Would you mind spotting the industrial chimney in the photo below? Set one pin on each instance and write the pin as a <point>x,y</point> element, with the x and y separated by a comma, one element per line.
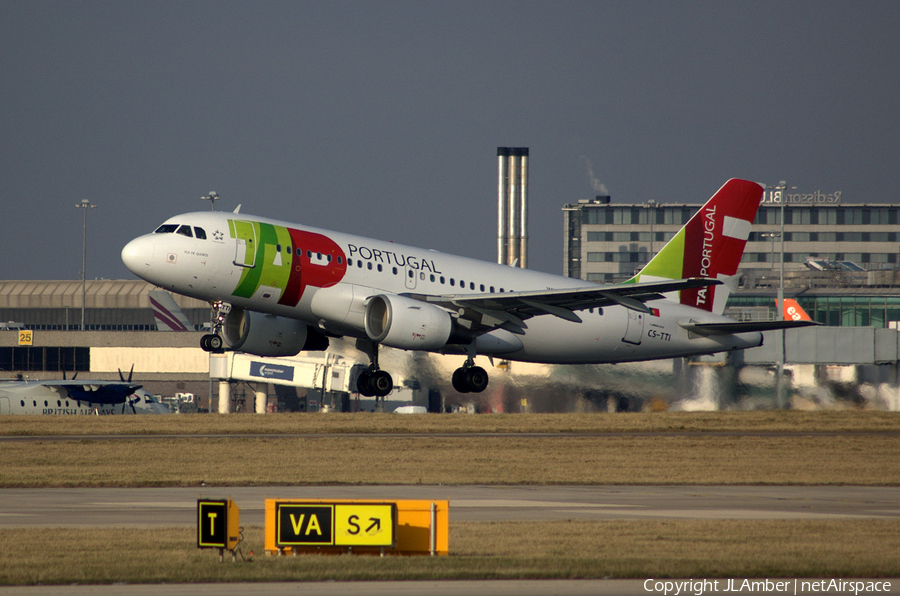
<point>512,206</point>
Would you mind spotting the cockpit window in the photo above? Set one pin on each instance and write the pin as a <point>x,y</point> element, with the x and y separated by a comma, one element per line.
<point>185,231</point>
<point>166,229</point>
<point>200,233</point>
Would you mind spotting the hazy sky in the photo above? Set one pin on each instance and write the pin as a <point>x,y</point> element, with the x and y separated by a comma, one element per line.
<point>383,118</point>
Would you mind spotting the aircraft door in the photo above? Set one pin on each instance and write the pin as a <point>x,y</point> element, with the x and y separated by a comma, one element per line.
<point>411,275</point>
<point>246,237</point>
<point>634,327</point>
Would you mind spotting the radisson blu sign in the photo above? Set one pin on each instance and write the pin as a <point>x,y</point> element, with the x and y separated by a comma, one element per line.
<point>774,196</point>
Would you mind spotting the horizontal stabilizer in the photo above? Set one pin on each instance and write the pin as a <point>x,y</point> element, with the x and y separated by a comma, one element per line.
<point>742,326</point>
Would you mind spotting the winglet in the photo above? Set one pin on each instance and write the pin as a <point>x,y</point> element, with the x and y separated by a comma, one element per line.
<point>709,245</point>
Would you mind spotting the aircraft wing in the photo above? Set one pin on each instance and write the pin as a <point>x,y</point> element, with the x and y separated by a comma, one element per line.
<point>98,392</point>
<point>742,326</point>
<point>509,310</point>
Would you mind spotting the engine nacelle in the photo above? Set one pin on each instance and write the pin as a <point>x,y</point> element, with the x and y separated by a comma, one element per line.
<point>407,323</point>
<point>269,335</point>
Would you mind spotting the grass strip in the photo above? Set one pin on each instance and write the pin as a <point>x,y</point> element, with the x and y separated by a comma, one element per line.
<point>872,460</point>
<point>501,550</point>
<point>286,423</point>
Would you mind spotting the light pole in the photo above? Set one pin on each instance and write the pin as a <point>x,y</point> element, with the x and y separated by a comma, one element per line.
<point>85,205</point>
<point>771,235</point>
<point>781,189</point>
<point>212,197</point>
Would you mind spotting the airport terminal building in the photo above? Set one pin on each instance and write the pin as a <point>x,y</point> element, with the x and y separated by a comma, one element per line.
<point>841,261</point>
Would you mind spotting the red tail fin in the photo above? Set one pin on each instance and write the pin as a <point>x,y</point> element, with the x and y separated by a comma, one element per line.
<point>709,245</point>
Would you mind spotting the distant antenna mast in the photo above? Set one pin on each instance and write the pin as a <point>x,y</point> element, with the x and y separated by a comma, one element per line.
<point>212,197</point>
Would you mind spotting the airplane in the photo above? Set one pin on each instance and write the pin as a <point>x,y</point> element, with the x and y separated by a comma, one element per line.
<point>793,311</point>
<point>168,315</point>
<point>71,397</point>
<point>279,288</point>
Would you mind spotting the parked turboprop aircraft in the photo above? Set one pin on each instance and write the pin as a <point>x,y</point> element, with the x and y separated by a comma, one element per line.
<point>77,397</point>
<point>280,288</point>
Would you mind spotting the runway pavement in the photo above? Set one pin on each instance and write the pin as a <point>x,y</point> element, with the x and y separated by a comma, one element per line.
<point>124,507</point>
<point>148,507</point>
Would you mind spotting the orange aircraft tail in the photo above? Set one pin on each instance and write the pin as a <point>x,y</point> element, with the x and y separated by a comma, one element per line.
<point>793,311</point>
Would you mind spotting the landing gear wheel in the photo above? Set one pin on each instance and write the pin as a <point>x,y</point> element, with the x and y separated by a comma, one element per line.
<point>459,380</point>
<point>211,343</point>
<point>381,383</point>
<point>363,384</point>
<point>470,379</point>
<point>214,343</point>
<point>476,379</point>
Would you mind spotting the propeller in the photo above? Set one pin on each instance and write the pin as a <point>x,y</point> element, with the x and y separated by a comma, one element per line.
<point>122,377</point>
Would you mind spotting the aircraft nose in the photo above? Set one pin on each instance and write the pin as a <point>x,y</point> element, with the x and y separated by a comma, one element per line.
<point>138,254</point>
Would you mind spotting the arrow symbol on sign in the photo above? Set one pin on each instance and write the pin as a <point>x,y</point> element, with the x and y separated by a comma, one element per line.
<point>376,523</point>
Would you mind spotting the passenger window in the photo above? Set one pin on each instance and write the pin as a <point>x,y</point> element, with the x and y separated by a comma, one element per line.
<point>442,280</point>
<point>492,289</point>
<point>394,269</point>
<point>379,268</point>
<point>277,248</point>
<point>340,260</point>
<point>482,287</point>
<point>411,274</point>
<point>184,231</point>
<point>359,263</point>
<point>200,233</point>
<point>23,403</point>
<point>452,282</point>
<point>471,285</point>
<point>299,252</point>
<point>432,277</point>
<point>370,266</point>
<point>166,229</point>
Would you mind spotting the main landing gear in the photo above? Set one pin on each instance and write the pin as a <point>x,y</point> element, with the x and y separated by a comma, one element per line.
<point>470,378</point>
<point>373,382</point>
<point>212,342</point>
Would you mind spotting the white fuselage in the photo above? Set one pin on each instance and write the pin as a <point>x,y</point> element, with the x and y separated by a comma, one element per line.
<point>324,279</point>
<point>50,398</point>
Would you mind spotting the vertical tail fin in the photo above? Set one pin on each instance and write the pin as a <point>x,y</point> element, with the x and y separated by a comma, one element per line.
<point>169,317</point>
<point>793,311</point>
<point>710,244</point>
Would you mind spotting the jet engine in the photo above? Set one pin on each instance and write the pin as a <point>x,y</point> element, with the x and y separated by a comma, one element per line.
<point>269,335</point>
<point>407,323</point>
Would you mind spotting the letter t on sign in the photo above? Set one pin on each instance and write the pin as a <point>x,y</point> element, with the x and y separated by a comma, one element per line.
<point>218,523</point>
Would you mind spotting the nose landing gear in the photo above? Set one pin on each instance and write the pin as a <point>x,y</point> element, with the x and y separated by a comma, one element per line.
<point>212,342</point>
